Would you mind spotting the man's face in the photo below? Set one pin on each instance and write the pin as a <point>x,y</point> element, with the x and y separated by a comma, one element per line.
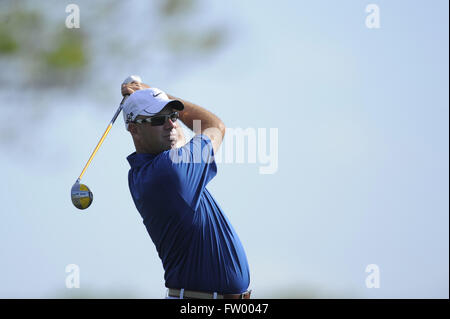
<point>156,139</point>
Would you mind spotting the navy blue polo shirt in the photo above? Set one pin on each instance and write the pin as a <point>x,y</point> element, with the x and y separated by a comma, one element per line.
<point>198,247</point>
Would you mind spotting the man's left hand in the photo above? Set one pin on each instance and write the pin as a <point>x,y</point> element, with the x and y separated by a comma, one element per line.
<point>130,88</point>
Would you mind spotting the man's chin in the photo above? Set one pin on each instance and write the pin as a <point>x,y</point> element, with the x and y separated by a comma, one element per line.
<point>171,144</point>
<point>174,145</point>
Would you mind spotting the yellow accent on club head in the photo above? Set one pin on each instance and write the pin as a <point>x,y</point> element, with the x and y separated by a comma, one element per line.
<point>81,195</point>
<point>85,202</point>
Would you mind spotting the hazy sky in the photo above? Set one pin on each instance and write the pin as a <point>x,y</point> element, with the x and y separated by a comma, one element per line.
<point>362,165</point>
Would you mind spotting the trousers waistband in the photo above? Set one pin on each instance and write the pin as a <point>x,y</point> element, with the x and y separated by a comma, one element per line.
<point>191,294</point>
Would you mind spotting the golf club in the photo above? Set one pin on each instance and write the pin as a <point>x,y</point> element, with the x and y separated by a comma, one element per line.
<point>80,194</point>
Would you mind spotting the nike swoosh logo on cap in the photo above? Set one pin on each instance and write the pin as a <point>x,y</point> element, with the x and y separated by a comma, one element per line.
<point>155,95</point>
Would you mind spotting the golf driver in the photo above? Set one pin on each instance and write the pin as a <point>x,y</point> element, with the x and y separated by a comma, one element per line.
<point>80,194</point>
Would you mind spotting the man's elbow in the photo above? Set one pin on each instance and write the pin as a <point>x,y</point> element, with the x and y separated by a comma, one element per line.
<point>216,132</point>
<point>222,128</point>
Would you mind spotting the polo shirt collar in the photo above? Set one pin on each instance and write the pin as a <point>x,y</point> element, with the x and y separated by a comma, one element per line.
<point>139,159</point>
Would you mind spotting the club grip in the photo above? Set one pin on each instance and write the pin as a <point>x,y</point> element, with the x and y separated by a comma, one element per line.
<point>132,78</point>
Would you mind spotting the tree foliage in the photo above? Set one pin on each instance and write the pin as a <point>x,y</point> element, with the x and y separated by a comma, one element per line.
<point>37,50</point>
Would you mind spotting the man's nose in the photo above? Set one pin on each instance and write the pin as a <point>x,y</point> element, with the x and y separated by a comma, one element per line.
<point>171,124</point>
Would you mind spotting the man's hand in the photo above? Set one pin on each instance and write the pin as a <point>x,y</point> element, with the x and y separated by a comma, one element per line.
<point>130,88</point>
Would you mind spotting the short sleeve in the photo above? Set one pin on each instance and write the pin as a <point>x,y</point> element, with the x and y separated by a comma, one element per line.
<point>192,168</point>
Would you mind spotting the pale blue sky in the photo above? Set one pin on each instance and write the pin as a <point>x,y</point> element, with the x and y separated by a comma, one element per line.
<point>362,118</point>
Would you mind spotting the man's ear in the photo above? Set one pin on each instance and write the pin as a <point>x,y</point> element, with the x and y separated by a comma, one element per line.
<point>132,128</point>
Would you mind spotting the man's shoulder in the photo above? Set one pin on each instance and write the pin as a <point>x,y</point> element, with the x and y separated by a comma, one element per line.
<point>155,168</point>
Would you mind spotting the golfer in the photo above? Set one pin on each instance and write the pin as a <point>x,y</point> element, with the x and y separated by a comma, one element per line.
<point>200,251</point>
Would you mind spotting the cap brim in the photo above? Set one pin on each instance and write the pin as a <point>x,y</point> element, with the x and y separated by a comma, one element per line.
<point>176,105</point>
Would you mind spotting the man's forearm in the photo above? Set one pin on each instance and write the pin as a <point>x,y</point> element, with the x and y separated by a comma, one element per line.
<point>193,112</point>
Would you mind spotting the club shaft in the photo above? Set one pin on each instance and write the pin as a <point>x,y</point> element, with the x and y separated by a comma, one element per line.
<point>119,109</point>
<point>102,138</point>
<point>95,151</point>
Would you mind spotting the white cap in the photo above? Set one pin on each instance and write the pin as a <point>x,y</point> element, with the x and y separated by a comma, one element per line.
<point>147,102</point>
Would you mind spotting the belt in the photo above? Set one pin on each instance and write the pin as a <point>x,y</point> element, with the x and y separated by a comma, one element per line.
<point>190,294</point>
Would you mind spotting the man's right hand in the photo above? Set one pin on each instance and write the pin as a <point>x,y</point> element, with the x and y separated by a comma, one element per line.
<point>130,88</point>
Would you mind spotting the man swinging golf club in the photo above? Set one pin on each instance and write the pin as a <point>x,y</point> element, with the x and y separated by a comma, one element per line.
<point>200,251</point>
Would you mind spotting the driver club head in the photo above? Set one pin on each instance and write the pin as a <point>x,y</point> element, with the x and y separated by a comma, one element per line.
<point>81,195</point>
